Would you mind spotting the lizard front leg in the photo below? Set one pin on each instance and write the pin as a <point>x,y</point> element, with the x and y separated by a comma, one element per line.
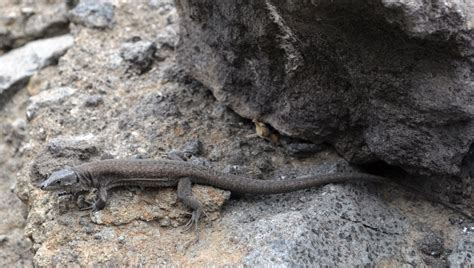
<point>186,196</point>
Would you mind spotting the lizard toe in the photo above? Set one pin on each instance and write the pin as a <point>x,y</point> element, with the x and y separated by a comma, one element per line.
<point>194,221</point>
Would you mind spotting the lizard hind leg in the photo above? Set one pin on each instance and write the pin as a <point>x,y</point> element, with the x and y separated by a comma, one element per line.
<point>101,200</point>
<point>186,196</point>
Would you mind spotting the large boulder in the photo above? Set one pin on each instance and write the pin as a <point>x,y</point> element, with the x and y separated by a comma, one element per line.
<point>380,80</point>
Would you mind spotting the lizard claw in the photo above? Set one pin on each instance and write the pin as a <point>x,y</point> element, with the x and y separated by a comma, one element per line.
<point>86,208</point>
<point>95,208</point>
<point>194,220</point>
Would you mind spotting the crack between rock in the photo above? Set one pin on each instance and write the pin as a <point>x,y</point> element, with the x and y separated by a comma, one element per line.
<point>370,227</point>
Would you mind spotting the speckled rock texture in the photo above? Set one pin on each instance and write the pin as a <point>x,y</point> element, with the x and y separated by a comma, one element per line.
<point>93,14</point>
<point>24,21</point>
<point>91,106</point>
<point>386,80</point>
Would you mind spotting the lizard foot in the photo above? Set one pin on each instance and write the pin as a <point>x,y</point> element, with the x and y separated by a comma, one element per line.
<point>93,207</point>
<point>86,208</point>
<point>194,220</point>
<point>83,204</point>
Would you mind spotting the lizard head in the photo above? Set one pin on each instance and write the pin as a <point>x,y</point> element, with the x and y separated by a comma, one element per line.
<point>64,180</point>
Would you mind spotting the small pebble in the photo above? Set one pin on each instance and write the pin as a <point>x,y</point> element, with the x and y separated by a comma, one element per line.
<point>165,222</point>
<point>93,101</point>
<point>3,239</point>
<point>121,239</point>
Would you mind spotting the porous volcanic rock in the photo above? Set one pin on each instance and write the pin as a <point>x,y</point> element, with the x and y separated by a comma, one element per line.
<point>380,80</point>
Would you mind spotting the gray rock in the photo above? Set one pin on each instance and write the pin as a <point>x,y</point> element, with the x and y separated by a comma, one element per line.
<point>62,146</point>
<point>47,98</point>
<point>53,23</point>
<point>190,149</point>
<point>14,133</point>
<point>163,5</point>
<point>157,105</point>
<point>17,66</point>
<point>319,227</point>
<point>301,149</point>
<point>166,41</point>
<point>463,254</point>
<point>168,37</point>
<point>436,21</point>
<point>140,53</point>
<point>93,101</point>
<point>71,3</point>
<point>62,151</point>
<point>432,245</point>
<point>93,14</point>
<point>193,147</point>
<point>3,239</point>
<point>41,20</point>
<point>340,72</point>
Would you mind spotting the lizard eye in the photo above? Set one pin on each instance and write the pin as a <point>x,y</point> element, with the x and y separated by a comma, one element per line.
<point>58,182</point>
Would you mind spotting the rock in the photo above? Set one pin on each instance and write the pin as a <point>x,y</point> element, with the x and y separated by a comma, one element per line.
<point>14,133</point>
<point>20,64</point>
<point>140,53</point>
<point>432,245</point>
<point>302,149</point>
<point>342,73</point>
<point>53,23</point>
<point>93,14</point>
<point>190,150</point>
<point>448,19</point>
<point>166,41</point>
<point>168,38</point>
<point>193,147</point>
<point>3,239</point>
<point>164,6</point>
<point>282,230</point>
<point>47,98</point>
<point>157,105</point>
<point>14,246</point>
<point>157,205</point>
<point>61,146</point>
<point>463,253</point>
<point>60,152</point>
<point>71,3</point>
<point>20,24</point>
<point>93,101</point>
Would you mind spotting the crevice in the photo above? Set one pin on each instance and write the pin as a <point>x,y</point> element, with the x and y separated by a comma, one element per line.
<point>375,229</point>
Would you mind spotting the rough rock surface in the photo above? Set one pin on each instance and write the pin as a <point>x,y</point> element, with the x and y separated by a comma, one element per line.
<point>113,113</point>
<point>139,53</point>
<point>18,65</point>
<point>388,80</point>
<point>93,14</point>
<point>15,247</point>
<point>23,21</point>
<point>46,98</point>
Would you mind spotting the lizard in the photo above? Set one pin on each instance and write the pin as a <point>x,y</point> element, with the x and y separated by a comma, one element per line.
<point>106,174</point>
